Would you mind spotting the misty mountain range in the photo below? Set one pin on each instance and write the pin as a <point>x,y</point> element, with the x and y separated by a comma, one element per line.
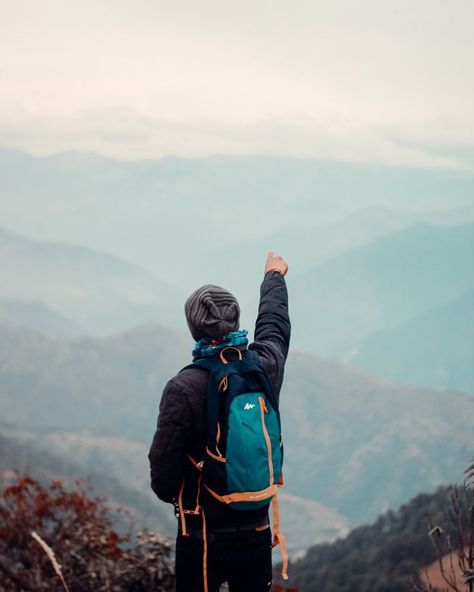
<point>442,351</point>
<point>97,257</point>
<point>134,208</point>
<point>356,444</point>
<point>365,305</point>
<point>75,288</point>
<point>383,284</point>
<point>168,215</point>
<point>372,250</point>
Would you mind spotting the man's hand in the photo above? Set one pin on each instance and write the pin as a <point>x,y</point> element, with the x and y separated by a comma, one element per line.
<point>276,263</point>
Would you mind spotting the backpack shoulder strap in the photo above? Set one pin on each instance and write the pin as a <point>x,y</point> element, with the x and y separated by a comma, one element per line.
<point>252,363</point>
<point>216,370</point>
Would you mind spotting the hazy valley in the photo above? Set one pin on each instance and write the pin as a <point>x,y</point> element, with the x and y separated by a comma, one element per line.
<point>97,257</point>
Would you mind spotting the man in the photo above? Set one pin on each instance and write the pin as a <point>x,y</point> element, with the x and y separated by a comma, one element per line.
<point>238,543</point>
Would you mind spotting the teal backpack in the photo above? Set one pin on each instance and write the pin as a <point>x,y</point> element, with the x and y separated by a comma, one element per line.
<point>243,460</point>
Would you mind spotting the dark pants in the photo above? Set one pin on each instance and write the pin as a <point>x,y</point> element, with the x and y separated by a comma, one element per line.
<point>243,559</point>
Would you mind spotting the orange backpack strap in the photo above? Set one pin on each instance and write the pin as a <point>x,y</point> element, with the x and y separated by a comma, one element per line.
<point>279,537</point>
<point>182,517</point>
<point>204,555</point>
<point>197,509</point>
<point>245,496</point>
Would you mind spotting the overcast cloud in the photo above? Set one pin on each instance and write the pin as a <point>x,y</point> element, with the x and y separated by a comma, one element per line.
<point>373,80</point>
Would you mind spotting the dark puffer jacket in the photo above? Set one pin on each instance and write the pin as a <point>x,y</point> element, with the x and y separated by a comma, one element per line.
<point>181,428</point>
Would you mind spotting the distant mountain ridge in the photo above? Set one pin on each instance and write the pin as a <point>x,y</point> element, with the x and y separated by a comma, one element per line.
<point>93,291</point>
<point>336,307</point>
<point>32,314</point>
<point>310,244</point>
<point>442,351</point>
<point>382,284</point>
<point>362,258</point>
<point>139,209</point>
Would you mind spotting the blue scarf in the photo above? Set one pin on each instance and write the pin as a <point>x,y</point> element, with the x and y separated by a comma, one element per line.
<point>207,346</point>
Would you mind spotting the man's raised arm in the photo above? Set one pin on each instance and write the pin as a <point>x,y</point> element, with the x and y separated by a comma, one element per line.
<point>273,328</point>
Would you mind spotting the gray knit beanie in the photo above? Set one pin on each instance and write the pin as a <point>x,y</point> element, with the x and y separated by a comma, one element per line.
<point>211,311</point>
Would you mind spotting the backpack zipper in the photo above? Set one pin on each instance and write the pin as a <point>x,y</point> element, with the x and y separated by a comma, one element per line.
<point>263,410</point>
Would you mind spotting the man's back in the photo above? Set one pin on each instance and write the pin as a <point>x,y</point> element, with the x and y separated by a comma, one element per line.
<point>181,429</point>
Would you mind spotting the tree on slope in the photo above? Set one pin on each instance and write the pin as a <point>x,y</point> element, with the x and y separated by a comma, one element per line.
<point>455,551</point>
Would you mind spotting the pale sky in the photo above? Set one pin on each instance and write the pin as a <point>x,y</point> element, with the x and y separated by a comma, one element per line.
<point>366,80</point>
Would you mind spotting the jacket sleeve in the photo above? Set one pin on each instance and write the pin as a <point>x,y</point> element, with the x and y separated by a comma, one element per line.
<point>170,443</point>
<point>273,327</point>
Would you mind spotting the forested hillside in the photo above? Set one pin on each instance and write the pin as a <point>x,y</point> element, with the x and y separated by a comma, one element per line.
<point>387,556</point>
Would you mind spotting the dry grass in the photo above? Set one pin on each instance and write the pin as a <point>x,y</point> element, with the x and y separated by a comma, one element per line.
<point>50,553</point>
